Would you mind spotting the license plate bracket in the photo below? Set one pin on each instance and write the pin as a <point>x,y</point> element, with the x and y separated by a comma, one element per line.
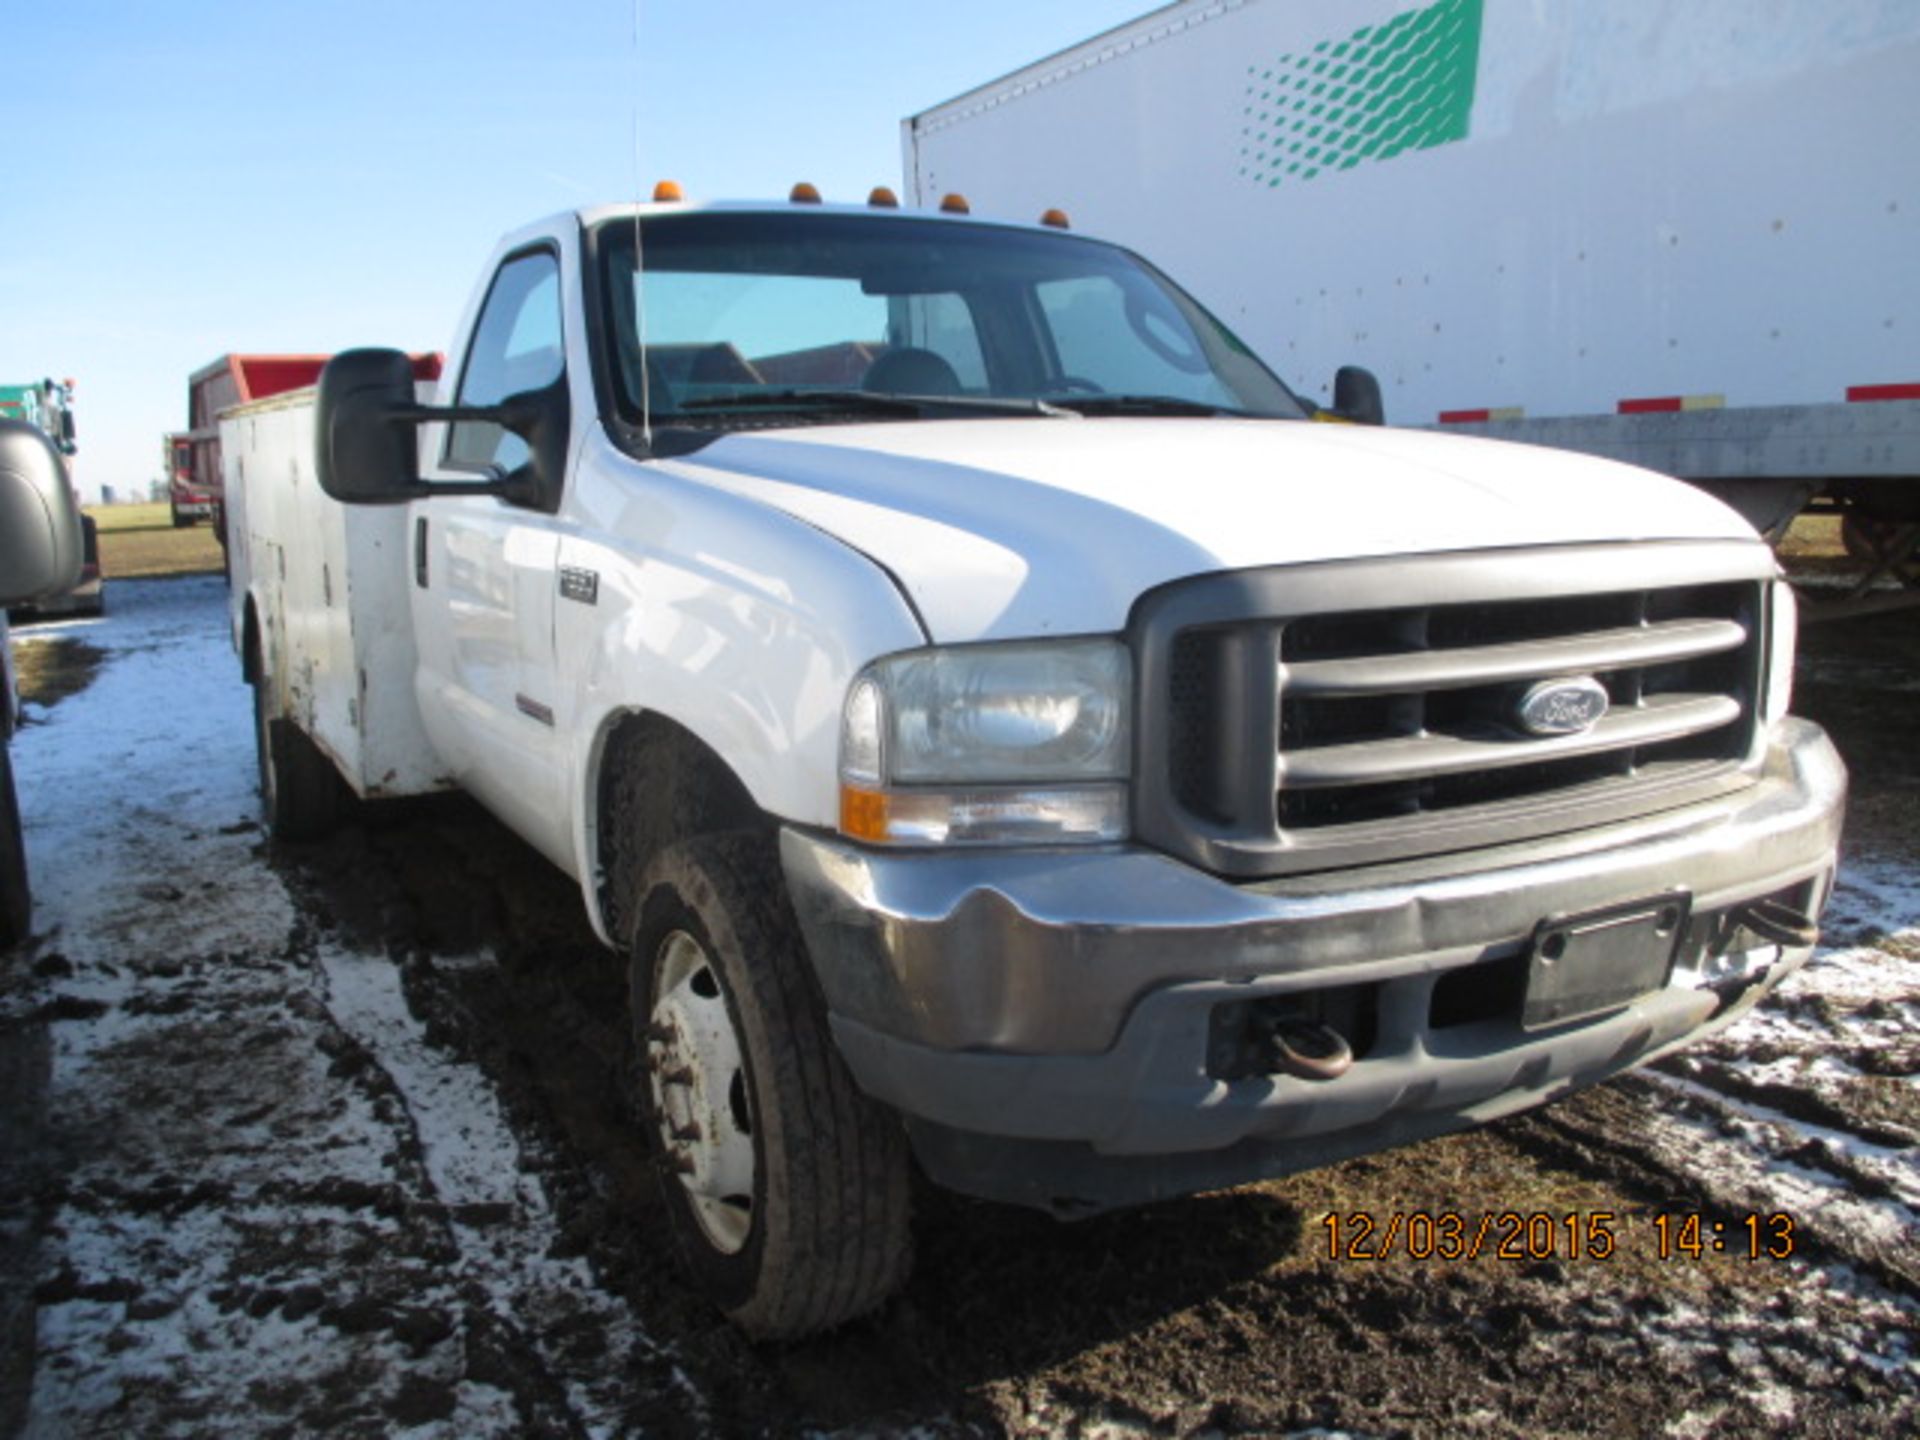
<point>1579,966</point>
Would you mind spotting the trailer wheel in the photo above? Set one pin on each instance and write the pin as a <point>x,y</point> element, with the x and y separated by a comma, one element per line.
<point>787,1186</point>
<point>299,790</point>
<point>1872,541</point>
<point>16,900</point>
<point>1860,537</point>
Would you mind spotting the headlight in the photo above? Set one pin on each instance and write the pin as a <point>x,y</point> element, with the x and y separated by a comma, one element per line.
<point>1782,638</point>
<point>989,744</point>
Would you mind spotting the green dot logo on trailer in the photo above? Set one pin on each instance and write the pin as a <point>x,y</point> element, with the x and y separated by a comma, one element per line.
<point>1405,84</point>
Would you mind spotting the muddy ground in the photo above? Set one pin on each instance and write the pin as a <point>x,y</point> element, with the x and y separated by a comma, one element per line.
<point>334,1139</point>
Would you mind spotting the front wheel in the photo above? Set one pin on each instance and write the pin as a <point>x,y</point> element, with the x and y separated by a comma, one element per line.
<point>787,1186</point>
<point>16,901</point>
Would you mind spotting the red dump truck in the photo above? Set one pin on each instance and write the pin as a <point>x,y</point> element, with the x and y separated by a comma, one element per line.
<point>193,455</point>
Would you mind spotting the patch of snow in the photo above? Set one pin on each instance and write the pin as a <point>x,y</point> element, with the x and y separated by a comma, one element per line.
<point>1768,1131</point>
<point>1776,1402</point>
<point>1695,1424</point>
<point>471,1155</point>
<point>1744,1164</point>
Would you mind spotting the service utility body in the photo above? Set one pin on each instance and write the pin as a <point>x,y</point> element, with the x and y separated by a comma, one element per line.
<point>1006,732</point>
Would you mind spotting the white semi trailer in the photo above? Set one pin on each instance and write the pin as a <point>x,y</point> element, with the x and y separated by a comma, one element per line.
<point>1680,235</point>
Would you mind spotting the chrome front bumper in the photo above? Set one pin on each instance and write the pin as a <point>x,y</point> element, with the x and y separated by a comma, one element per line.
<point>1066,997</point>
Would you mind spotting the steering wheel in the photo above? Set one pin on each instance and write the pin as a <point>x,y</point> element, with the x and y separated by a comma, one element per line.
<point>1157,330</point>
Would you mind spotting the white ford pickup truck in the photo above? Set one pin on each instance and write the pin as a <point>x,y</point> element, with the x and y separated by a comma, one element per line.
<point>1006,733</point>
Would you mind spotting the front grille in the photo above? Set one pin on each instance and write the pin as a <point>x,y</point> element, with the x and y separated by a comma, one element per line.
<point>1280,735</point>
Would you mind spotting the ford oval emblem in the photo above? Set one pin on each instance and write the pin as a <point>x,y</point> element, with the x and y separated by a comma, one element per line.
<point>1563,707</point>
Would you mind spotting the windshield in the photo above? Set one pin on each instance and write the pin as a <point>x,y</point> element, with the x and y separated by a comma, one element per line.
<point>826,317</point>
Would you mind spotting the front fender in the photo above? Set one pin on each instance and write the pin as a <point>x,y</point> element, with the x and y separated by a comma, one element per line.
<point>738,622</point>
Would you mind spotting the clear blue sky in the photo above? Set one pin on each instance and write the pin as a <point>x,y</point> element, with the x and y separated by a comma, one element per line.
<point>190,178</point>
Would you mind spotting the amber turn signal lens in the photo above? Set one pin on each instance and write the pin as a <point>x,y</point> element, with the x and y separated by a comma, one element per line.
<point>956,205</point>
<point>863,813</point>
<point>1057,219</point>
<point>884,198</point>
<point>666,192</point>
<point>804,194</point>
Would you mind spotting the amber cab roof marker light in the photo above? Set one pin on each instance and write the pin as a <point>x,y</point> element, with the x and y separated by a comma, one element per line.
<point>955,204</point>
<point>667,192</point>
<point>881,198</point>
<point>1057,218</point>
<point>804,194</point>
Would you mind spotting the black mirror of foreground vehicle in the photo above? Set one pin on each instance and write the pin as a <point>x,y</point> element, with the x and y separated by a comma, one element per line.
<point>363,455</point>
<point>1356,396</point>
<point>366,451</point>
<point>40,544</point>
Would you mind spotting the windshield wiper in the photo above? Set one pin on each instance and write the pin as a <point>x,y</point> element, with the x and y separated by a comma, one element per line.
<point>877,400</point>
<point>1144,405</point>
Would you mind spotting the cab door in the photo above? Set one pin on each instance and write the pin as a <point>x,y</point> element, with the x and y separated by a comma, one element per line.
<point>485,575</point>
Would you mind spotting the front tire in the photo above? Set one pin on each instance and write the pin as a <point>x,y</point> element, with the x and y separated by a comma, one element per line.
<point>16,900</point>
<point>299,789</point>
<point>786,1185</point>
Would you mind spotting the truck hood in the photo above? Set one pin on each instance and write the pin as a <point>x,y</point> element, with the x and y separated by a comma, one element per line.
<point>1019,527</point>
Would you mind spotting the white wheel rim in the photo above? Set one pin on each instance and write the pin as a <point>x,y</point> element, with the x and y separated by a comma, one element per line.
<point>698,1076</point>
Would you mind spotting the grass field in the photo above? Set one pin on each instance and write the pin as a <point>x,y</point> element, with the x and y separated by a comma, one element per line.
<point>139,540</point>
<point>1813,537</point>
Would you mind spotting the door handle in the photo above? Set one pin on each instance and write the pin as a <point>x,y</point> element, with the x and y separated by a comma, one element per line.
<point>420,552</point>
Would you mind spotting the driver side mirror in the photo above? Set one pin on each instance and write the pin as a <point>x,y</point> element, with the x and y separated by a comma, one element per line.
<point>366,451</point>
<point>40,544</point>
<point>1356,396</point>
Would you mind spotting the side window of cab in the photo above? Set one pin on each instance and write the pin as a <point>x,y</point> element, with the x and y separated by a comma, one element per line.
<point>515,347</point>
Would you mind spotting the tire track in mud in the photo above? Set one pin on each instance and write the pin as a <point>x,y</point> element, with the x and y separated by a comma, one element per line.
<point>495,957</point>
<point>569,1355</point>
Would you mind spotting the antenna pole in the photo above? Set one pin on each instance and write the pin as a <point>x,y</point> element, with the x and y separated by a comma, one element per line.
<point>639,265</point>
